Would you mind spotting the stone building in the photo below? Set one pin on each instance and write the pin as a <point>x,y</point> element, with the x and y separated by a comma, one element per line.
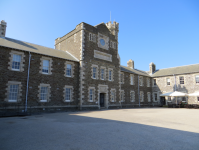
<point>82,72</point>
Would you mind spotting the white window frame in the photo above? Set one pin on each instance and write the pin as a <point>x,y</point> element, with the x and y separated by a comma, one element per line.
<point>197,79</point>
<point>154,100</point>
<point>149,96</point>
<point>93,94</point>
<point>113,95</point>
<point>69,70</point>
<point>141,96</point>
<point>44,95</point>
<point>18,65</point>
<point>132,96</point>
<point>180,80</point>
<point>48,92</point>
<point>21,67</point>
<point>19,91</point>
<point>72,69</point>
<point>110,76</point>
<point>122,78</point>
<point>71,93</point>
<point>43,66</point>
<point>131,79</point>
<point>94,66</point>
<point>168,82</point>
<point>104,74</point>
<point>122,96</point>
<point>50,65</point>
<point>94,72</point>
<point>154,82</point>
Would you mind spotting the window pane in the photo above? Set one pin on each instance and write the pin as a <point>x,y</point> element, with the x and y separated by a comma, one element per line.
<point>91,95</point>
<point>181,80</point>
<point>44,92</point>
<point>68,94</point>
<point>94,72</point>
<point>197,79</point>
<point>110,75</point>
<point>45,66</point>
<point>16,61</point>
<point>102,73</point>
<point>68,70</point>
<point>13,92</point>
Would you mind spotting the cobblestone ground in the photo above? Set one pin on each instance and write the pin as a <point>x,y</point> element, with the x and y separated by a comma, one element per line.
<point>122,129</point>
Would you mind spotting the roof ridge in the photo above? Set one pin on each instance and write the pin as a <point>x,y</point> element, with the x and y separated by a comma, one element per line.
<point>30,43</point>
<point>177,67</point>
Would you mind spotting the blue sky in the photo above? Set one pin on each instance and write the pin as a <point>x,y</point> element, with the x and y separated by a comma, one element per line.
<point>165,32</point>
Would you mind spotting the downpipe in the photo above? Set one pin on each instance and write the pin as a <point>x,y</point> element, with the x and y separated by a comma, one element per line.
<point>27,83</point>
<point>139,90</point>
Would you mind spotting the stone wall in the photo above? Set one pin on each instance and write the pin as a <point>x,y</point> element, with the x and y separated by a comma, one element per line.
<point>189,86</point>
<point>57,80</point>
<point>127,87</point>
<point>90,47</point>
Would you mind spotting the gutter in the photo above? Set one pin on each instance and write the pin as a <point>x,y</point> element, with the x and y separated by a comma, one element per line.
<point>27,83</point>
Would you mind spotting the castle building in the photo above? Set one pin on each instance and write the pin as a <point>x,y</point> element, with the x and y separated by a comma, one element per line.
<point>84,72</point>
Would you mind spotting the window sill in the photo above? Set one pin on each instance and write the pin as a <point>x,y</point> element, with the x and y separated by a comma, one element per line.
<point>67,101</point>
<point>68,76</point>
<point>15,69</point>
<point>43,100</point>
<point>45,73</point>
<point>12,101</point>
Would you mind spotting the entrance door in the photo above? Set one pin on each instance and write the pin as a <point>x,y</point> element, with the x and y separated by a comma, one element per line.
<point>162,101</point>
<point>101,99</point>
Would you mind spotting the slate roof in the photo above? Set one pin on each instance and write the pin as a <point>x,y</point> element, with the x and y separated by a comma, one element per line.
<point>25,46</point>
<point>177,70</point>
<point>134,71</point>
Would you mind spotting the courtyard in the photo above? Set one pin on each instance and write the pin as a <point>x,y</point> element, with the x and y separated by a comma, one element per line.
<point>117,129</point>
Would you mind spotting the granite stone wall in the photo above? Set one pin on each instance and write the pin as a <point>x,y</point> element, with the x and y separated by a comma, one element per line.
<point>189,86</point>
<point>57,80</point>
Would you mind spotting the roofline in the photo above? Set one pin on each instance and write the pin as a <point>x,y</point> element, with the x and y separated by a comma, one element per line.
<point>147,75</point>
<point>72,55</point>
<point>39,53</point>
<point>174,74</point>
<point>177,66</point>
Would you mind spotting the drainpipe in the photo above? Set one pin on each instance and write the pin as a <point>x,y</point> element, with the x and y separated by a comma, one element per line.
<point>175,81</point>
<point>27,83</point>
<point>138,91</point>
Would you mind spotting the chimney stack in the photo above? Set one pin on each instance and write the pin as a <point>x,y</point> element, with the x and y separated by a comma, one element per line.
<point>130,64</point>
<point>3,25</point>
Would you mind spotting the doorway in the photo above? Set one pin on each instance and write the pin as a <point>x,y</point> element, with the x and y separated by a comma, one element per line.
<point>162,101</point>
<point>102,96</point>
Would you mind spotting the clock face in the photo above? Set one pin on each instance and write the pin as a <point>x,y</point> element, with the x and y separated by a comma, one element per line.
<point>102,42</point>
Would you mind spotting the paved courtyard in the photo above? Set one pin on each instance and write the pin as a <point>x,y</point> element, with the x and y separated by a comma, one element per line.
<point>122,129</point>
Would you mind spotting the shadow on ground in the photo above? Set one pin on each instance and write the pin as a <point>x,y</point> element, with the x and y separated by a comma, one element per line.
<point>72,132</point>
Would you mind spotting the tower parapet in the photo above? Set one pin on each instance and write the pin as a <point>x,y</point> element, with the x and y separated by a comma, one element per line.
<point>113,27</point>
<point>152,68</point>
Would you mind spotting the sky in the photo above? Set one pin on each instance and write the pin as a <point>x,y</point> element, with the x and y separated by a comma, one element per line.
<point>165,32</point>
